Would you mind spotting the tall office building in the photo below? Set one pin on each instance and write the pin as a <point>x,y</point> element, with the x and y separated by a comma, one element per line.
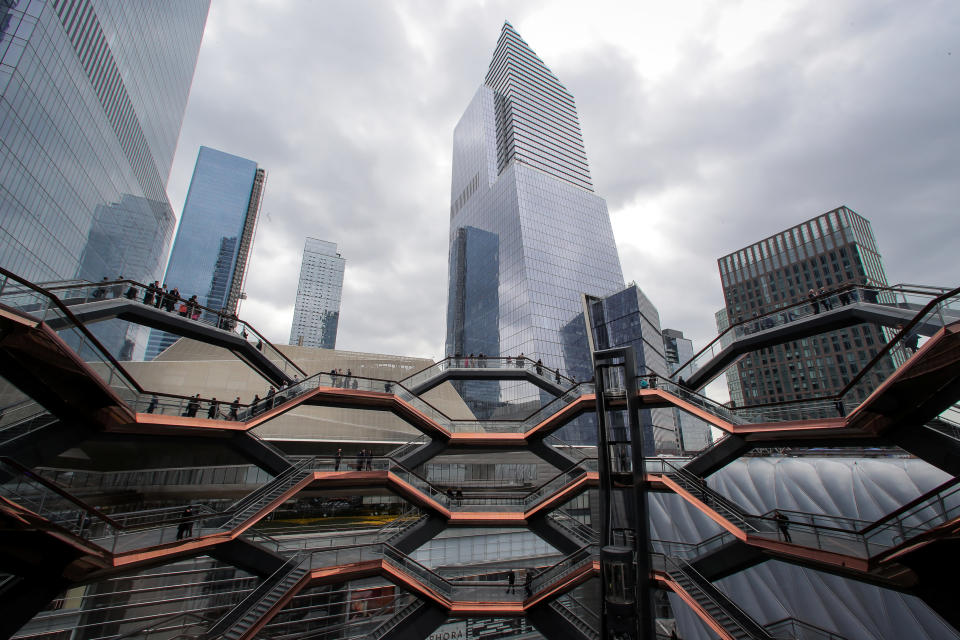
<point>316,313</point>
<point>210,253</point>
<point>731,374</point>
<point>693,434</point>
<point>528,235</point>
<point>629,318</point>
<point>834,249</point>
<point>92,96</point>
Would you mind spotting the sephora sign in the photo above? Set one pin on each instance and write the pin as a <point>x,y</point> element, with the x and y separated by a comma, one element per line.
<point>451,631</point>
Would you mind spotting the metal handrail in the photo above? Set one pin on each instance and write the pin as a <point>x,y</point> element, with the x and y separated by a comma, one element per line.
<point>263,590</point>
<point>136,385</point>
<point>120,525</point>
<point>60,492</point>
<point>128,281</point>
<point>573,561</point>
<point>156,622</point>
<point>419,483</point>
<point>730,608</point>
<point>806,626</point>
<point>508,362</point>
<point>284,477</point>
<point>76,322</point>
<point>778,310</point>
<point>907,328</point>
<point>887,348</point>
<point>913,503</point>
<point>398,617</point>
<point>714,495</point>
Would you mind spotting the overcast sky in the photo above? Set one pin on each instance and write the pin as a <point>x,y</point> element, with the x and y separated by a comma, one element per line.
<point>708,126</point>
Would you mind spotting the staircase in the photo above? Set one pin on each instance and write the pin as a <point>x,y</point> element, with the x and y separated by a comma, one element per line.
<point>582,619</point>
<point>410,535</point>
<point>585,534</point>
<point>716,502</point>
<point>563,531</point>
<point>406,449</point>
<point>556,452</point>
<point>416,452</point>
<point>559,482</point>
<point>717,606</point>
<point>946,423</point>
<point>564,568</point>
<point>396,620</point>
<point>238,621</point>
<point>10,432</point>
<point>251,504</point>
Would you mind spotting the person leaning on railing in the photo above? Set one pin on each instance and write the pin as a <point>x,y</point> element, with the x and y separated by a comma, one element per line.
<point>812,296</point>
<point>170,299</point>
<point>152,293</point>
<point>185,528</point>
<point>101,291</point>
<point>161,294</point>
<point>783,524</point>
<point>193,406</point>
<point>193,307</point>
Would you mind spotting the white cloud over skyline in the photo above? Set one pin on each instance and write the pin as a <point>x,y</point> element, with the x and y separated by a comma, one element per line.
<point>707,126</point>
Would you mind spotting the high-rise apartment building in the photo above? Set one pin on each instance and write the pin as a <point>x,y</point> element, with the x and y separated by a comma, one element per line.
<point>528,234</point>
<point>210,253</point>
<point>316,313</point>
<point>92,96</point>
<point>830,251</point>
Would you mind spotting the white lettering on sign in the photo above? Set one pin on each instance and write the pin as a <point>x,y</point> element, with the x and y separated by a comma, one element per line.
<point>451,631</point>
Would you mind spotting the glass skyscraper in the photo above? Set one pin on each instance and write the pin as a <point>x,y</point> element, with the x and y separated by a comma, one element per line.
<point>92,96</point>
<point>693,433</point>
<point>316,313</point>
<point>528,235</point>
<point>629,318</point>
<point>731,374</point>
<point>833,250</point>
<point>210,253</point>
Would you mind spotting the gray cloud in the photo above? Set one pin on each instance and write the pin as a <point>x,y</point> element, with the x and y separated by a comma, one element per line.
<point>351,108</point>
